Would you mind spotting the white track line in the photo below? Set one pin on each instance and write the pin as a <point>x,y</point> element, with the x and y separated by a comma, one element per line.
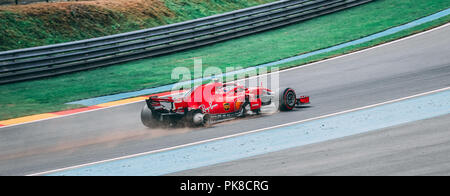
<point>240,134</point>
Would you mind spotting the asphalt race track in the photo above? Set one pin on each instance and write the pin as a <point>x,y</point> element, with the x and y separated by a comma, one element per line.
<point>418,148</point>
<point>400,69</point>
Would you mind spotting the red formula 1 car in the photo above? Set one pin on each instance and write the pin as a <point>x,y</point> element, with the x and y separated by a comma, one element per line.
<point>205,104</point>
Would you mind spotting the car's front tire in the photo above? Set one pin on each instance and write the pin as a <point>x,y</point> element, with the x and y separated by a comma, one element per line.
<point>287,99</point>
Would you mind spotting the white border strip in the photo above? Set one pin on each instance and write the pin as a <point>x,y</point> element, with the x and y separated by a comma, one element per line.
<point>240,134</point>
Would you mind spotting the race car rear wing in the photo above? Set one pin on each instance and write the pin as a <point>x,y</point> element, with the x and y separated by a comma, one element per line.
<point>157,103</point>
<point>160,99</point>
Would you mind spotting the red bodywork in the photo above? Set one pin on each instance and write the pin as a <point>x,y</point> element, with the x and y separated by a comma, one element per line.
<point>215,101</point>
<point>213,98</point>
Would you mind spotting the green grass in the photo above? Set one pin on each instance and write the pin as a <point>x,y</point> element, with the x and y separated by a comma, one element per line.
<point>50,23</point>
<point>50,94</point>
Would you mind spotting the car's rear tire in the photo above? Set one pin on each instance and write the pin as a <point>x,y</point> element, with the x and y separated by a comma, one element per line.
<point>287,99</point>
<point>148,118</point>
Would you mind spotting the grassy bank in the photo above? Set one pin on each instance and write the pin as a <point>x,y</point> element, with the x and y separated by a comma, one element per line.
<point>50,94</point>
<point>50,23</point>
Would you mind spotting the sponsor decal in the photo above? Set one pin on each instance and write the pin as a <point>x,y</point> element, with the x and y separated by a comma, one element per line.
<point>226,106</point>
<point>207,109</point>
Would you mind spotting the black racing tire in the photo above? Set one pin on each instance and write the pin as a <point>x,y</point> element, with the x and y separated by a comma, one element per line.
<point>148,118</point>
<point>287,100</point>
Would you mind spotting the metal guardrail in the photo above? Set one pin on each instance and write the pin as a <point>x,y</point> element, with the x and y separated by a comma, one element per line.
<point>51,60</point>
